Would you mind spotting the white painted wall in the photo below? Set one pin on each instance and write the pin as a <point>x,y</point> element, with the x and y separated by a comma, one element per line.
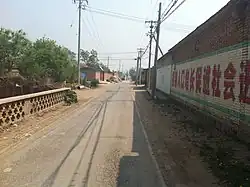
<point>219,106</point>
<point>163,79</point>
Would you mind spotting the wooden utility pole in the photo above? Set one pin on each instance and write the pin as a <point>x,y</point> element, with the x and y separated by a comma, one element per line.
<point>119,66</point>
<point>140,50</point>
<point>137,69</point>
<point>80,6</point>
<point>156,52</point>
<point>150,50</point>
<point>108,62</point>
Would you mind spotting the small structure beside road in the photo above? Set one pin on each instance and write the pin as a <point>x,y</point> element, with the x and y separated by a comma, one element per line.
<point>96,73</point>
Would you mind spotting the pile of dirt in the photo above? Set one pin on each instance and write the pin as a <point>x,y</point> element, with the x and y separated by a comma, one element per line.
<point>114,79</point>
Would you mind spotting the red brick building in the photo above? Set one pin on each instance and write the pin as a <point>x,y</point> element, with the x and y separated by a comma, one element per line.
<point>211,67</point>
<point>98,73</point>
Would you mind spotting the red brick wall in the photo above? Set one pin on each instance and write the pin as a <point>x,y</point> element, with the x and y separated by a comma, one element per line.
<point>224,29</point>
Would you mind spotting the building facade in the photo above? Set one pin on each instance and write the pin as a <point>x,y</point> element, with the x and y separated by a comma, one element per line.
<point>91,73</point>
<point>211,66</point>
<point>163,76</point>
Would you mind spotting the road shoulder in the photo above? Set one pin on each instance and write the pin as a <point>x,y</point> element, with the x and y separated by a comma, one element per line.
<point>42,122</point>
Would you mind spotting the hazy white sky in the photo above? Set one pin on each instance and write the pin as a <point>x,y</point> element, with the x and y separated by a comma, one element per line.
<point>53,19</point>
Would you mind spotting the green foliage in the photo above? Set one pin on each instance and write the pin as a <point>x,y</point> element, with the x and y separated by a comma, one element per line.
<point>70,97</point>
<point>13,45</point>
<point>132,74</point>
<point>47,59</point>
<point>94,83</point>
<point>37,60</point>
<point>91,60</point>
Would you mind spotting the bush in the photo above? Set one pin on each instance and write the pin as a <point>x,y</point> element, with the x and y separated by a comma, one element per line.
<point>70,97</point>
<point>94,83</point>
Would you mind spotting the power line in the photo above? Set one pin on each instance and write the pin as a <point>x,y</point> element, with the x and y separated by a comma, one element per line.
<point>168,10</point>
<point>116,16</point>
<point>98,35</point>
<point>116,13</point>
<point>89,30</point>
<point>95,36</point>
<point>171,1</point>
<point>183,1</point>
<point>145,51</point>
<point>90,34</point>
<point>111,53</point>
<point>129,58</point>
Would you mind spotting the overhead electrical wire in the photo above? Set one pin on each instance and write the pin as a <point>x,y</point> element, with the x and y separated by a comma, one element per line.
<point>164,12</point>
<point>145,51</point>
<point>91,34</point>
<point>168,10</point>
<point>167,16</point>
<point>96,29</point>
<point>118,58</point>
<point>113,53</point>
<point>116,15</point>
<point>86,26</point>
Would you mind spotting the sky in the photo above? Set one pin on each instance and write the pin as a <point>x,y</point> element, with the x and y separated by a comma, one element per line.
<point>58,20</point>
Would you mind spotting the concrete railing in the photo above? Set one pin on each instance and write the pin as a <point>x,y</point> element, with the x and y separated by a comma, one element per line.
<point>14,109</point>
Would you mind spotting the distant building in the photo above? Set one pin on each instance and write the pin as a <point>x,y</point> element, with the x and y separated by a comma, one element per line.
<point>98,73</point>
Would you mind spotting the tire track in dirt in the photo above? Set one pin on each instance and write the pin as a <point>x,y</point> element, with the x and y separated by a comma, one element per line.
<point>50,180</point>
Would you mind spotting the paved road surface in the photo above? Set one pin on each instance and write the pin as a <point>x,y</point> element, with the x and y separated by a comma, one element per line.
<point>102,144</point>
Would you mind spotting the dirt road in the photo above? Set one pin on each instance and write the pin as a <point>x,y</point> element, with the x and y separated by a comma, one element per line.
<point>101,144</point>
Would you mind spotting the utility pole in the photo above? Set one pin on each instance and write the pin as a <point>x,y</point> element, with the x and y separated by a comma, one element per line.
<point>140,50</point>
<point>119,66</point>
<point>137,69</point>
<point>150,50</point>
<point>140,71</point>
<point>108,62</point>
<point>156,51</point>
<point>80,6</point>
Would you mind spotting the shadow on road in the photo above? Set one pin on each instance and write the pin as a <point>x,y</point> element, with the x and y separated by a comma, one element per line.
<point>138,169</point>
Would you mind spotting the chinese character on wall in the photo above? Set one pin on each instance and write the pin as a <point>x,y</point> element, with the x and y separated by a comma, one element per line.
<point>229,84</point>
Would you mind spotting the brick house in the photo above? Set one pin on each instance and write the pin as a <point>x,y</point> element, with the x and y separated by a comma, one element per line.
<point>98,73</point>
<point>91,73</point>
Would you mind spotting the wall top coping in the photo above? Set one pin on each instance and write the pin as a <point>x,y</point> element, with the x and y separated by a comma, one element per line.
<point>28,96</point>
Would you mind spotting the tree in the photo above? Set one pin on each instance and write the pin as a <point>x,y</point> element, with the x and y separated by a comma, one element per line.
<point>90,58</point>
<point>84,56</point>
<point>13,45</point>
<point>46,59</point>
<point>132,73</point>
<point>37,60</point>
